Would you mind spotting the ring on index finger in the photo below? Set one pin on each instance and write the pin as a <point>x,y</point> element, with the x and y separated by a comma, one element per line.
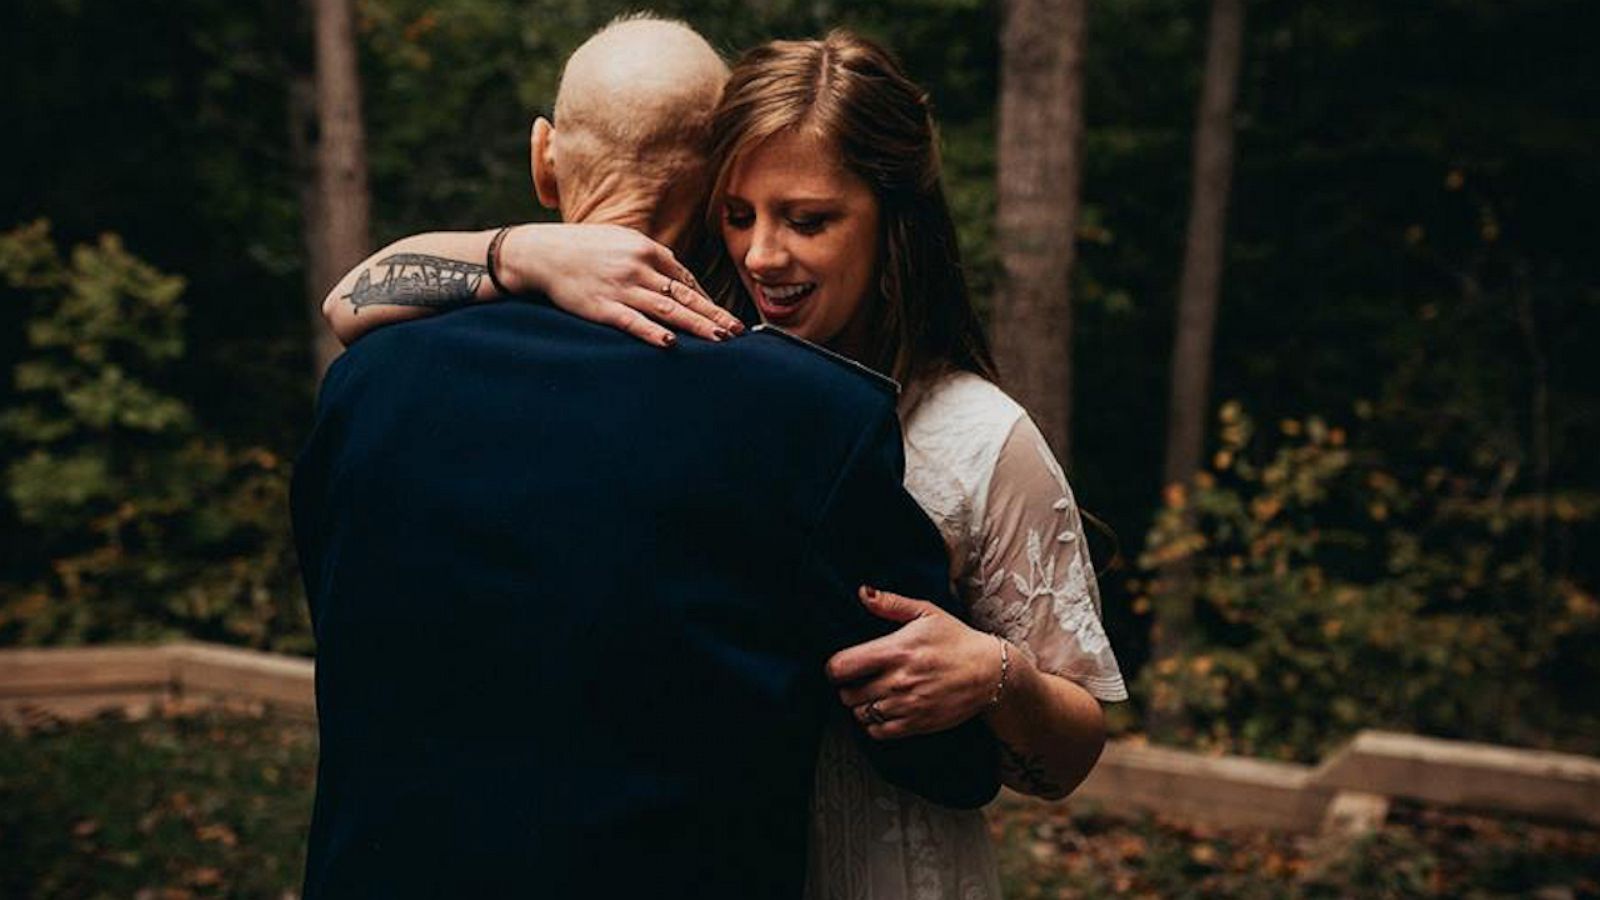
<point>874,717</point>
<point>667,288</point>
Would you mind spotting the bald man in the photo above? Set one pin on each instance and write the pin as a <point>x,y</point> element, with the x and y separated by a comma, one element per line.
<point>634,106</point>
<point>573,593</point>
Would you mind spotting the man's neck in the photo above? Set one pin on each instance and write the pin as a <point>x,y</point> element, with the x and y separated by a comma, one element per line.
<point>615,201</point>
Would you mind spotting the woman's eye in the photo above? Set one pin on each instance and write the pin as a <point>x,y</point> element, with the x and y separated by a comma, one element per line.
<point>808,224</point>
<point>736,219</point>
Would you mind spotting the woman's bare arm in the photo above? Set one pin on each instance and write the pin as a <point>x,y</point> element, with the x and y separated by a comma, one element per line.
<point>410,278</point>
<point>1038,664</point>
<point>604,273</point>
<point>936,672</point>
<point>1051,731</point>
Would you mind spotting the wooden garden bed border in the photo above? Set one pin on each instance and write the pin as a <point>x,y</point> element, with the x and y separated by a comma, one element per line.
<point>1348,792</point>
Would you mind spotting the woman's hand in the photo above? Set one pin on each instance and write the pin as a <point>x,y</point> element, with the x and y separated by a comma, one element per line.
<point>614,276</point>
<point>604,273</point>
<point>931,674</point>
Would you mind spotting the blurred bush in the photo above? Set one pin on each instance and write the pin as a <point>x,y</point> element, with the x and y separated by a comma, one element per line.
<point>140,523</point>
<point>1333,593</point>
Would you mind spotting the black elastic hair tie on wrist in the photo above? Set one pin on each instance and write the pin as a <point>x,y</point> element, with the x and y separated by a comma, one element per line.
<point>492,259</point>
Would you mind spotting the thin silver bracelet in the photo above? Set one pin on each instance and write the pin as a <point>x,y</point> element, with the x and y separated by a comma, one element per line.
<point>1005,669</point>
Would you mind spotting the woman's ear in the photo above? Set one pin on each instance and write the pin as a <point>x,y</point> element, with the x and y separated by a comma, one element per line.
<point>542,162</point>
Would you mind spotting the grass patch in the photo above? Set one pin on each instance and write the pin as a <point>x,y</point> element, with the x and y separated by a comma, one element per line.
<point>208,805</point>
<point>216,805</point>
<point>1060,852</point>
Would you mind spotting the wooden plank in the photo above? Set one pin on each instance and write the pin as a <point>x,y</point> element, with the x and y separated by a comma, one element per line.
<point>1227,791</point>
<point>285,682</point>
<point>75,682</point>
<point>1478,776</point>
<point>70,670</point>
<point>36,711</point>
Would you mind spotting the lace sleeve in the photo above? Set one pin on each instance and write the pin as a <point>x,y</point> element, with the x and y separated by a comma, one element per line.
<point>1035,582</point>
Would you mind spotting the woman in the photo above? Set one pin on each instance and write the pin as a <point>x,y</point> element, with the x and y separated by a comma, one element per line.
<point>828,204</point>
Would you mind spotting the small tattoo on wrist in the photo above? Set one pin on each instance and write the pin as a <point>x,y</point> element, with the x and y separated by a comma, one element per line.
<point>1027,773</point>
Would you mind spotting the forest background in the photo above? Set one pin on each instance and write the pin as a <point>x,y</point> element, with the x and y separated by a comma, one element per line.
<point>1395,514</point>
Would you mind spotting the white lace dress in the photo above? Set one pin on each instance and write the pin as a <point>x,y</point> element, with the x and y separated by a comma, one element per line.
<point>983,473</point>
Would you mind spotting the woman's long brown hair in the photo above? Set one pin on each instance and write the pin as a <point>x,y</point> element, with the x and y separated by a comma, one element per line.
<point>851,92</point>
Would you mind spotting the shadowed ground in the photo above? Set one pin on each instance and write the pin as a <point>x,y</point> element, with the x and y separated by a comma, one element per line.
<point>216,804</point>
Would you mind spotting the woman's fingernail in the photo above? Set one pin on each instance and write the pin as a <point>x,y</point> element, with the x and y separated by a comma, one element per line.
<point>667,340</point>
<point>737,327</point>
<point>870,593</point>
<point>720,334</point>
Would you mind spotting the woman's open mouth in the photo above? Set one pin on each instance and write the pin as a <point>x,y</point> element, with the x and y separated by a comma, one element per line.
<point>779,301</point>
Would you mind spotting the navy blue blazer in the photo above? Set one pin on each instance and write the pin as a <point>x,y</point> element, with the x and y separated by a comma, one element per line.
<point>573,596</point>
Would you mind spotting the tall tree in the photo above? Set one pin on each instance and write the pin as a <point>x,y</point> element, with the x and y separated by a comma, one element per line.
<point>1200,288</point>
<point>1041,130</point>
<point>339,231</point>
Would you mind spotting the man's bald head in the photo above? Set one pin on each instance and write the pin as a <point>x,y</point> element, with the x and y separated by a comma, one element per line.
<point>632,112</point>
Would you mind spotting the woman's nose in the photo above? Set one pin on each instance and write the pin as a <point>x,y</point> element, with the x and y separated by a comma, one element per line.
<point>767,253</point>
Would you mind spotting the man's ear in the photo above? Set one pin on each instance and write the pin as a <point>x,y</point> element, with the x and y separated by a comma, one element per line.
<point>542,161</point>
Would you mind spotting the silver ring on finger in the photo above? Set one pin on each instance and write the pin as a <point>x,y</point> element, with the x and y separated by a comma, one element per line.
<point>667,288</point>
<point>874,716</point>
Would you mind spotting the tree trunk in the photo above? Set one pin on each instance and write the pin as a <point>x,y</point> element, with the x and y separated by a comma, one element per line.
<point>302,146</point>
<point>1041,130</point>
<point>1202,258</point>
<point>1197,302</point>
<point>341,232</point>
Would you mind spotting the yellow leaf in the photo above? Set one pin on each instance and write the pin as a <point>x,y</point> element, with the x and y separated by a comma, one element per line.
<point>219,833</point>
<point>1175,496</point>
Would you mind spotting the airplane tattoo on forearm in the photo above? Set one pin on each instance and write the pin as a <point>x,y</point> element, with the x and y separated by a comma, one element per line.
<point>417,279</point>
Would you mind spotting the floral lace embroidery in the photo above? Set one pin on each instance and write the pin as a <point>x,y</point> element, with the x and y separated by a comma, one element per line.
<point>1071,598</point>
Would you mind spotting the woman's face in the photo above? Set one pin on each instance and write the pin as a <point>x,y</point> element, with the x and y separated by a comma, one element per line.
<point>803,232</point>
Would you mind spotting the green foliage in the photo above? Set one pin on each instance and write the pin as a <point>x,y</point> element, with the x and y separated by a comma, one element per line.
<point>1333,595</point>
<point>185,153</point>
<point>144,525</point>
